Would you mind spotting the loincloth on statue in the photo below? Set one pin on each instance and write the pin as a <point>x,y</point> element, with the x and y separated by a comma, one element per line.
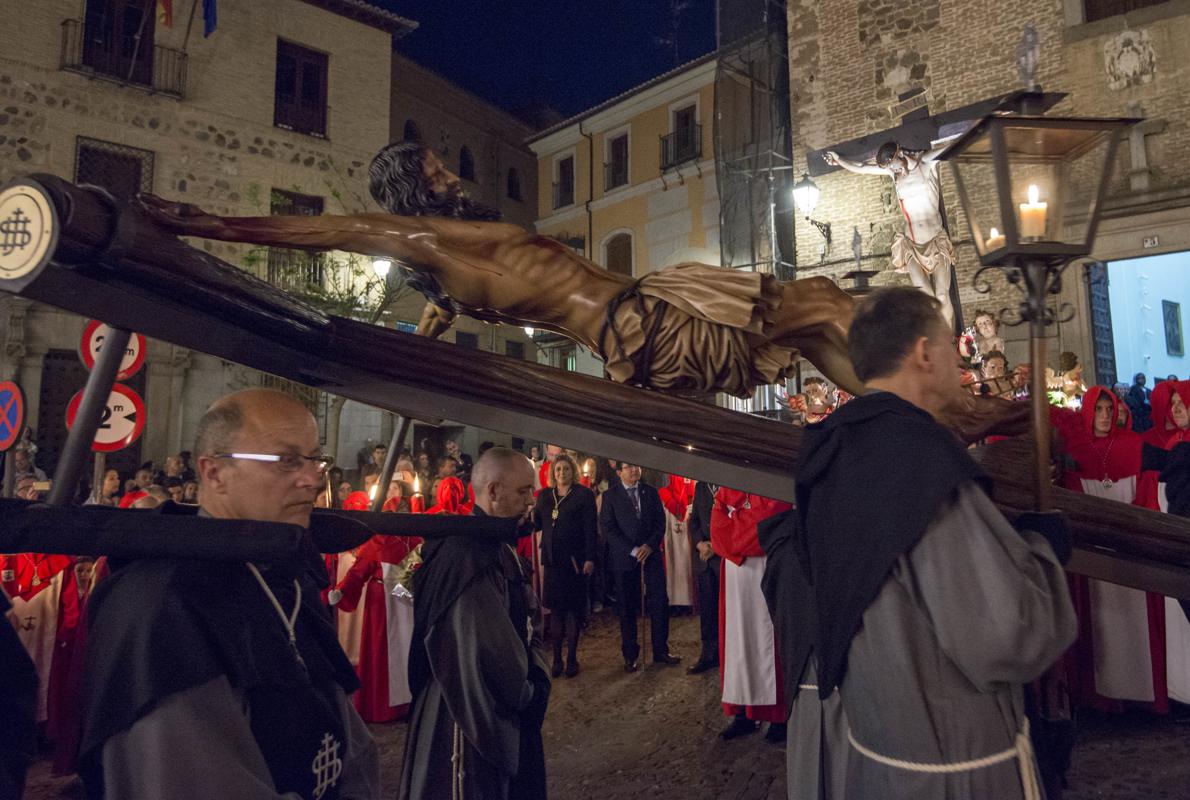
<point>928,256</point>
<point>695,329</point>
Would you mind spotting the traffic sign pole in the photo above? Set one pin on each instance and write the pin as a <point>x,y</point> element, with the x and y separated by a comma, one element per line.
<point>97,476</point>
<point>86,423</point>
<point>10,474</point>
<point>12,427</point>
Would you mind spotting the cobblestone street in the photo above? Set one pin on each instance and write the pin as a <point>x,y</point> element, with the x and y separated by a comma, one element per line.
<point>654,734</point>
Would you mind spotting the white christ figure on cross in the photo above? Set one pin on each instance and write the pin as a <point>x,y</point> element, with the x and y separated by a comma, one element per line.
<point>924,250</point>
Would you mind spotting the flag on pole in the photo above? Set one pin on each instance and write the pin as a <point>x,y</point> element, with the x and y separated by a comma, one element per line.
<point>165,12</point>
<point>208,17</point>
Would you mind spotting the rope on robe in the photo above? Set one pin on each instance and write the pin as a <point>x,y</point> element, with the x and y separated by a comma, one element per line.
<point>458,778</point>
<point>1022,751</point>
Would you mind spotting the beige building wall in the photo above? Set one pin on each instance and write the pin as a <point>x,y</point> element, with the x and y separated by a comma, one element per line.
<point>217,147</point>
<point>850,59</point>
<point>666,211</point>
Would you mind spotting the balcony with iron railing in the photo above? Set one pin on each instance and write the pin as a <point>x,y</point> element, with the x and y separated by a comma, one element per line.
<point>563,195</point>
<point>298,271</point>
<point>684,144</point>
<point>157,69</point>
<point>615,175</point>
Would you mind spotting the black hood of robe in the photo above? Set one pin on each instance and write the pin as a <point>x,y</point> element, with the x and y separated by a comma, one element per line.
<point>871,478</point>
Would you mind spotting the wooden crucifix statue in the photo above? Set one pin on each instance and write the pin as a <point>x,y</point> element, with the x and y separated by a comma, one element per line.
<point>691,328</point>
<point>687,329</point>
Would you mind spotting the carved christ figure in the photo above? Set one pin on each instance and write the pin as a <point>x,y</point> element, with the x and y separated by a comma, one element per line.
<point>924,250</point>
<point>690,328</point>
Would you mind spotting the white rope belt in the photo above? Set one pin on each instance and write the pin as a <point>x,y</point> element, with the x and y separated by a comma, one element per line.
<point>808,687</point>
<point>1022,751</point>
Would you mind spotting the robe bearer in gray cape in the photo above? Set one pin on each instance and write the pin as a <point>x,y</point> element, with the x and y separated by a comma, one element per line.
<point>929,609</point>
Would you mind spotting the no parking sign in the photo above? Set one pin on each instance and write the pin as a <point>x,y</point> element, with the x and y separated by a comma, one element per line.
<point>12,414</point>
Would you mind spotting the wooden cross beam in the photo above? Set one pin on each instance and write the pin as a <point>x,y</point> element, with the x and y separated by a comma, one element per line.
<point>87,255</point>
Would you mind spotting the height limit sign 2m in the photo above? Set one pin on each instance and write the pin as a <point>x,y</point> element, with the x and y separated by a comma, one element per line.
<point>121,422</point>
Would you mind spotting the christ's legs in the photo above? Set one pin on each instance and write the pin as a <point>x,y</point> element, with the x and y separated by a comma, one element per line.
<point>814,317</point>
<point>936,285</point>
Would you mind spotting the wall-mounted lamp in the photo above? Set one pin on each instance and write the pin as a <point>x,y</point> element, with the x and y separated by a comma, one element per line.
<point>805,197</point>
<point>382,266</point>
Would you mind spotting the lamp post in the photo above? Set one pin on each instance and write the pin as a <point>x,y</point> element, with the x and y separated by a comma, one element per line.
<point>1032,189</point>
<point>805,197</point>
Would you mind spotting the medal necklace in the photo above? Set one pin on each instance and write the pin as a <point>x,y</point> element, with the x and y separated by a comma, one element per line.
<point>557,502</point>
<point>290,621</point>
<point>1107,482</point>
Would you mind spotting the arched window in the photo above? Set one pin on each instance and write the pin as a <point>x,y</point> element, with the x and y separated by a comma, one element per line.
<point>617,254</point>
<point>466,164</point>
<point>411,134</point>
<point>514,184</point>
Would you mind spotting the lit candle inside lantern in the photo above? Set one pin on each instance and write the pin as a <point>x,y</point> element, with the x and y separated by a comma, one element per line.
<point>1033,215</point>
<point>995,240</point>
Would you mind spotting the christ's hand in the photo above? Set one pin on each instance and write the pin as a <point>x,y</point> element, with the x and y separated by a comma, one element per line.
<point>831,157</point>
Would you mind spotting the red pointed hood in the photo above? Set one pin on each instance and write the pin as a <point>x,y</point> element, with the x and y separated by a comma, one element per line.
<point>451,493</point>
<point>676,496</point>
<point>1115,456</point>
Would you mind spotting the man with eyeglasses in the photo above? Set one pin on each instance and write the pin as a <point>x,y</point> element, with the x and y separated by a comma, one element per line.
<point>228,681</point>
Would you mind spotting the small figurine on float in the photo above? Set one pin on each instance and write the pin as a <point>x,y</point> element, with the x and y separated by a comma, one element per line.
<point>818,399</point>
<point>1066,387</point>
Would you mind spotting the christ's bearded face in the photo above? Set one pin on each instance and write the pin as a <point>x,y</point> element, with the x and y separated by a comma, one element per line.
<point>444,196</point>
<point>439,179</point>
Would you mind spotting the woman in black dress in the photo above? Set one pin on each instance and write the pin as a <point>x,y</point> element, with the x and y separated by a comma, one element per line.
<point>565,515</point>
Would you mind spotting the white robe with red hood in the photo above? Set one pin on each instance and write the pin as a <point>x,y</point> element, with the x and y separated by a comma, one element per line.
<point>1166,435</point>
<point>748,657</point>
<point>1121,644</point>
<point>677,496</point>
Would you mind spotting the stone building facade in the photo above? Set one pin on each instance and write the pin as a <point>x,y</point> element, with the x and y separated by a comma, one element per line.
<point>852,60</point>
<point>278,110</point>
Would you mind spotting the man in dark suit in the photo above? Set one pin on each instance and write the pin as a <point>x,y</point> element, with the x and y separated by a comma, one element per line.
<point>633,521</point>
<point>706,577</point>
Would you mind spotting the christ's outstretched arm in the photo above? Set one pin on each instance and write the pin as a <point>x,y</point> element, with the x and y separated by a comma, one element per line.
<point>858,167</point>
<point>414,241</point>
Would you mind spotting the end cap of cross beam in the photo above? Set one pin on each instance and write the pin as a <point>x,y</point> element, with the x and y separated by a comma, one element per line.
<point>44,218</point>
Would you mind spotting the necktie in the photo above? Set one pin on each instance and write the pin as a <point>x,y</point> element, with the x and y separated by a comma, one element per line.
<point>633,493</point>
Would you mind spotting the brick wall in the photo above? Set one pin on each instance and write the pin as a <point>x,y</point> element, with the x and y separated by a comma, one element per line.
<point>851,59</point>
<point>217,147</point>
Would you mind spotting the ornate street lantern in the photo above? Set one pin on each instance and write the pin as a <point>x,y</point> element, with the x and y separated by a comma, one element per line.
<point>805,197</point>
<point>1032,189</point>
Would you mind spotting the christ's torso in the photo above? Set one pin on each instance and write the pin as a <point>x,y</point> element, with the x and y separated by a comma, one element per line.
<point>919,192</point>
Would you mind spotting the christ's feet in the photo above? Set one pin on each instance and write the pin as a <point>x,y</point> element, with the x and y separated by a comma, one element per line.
<point>974,418</point>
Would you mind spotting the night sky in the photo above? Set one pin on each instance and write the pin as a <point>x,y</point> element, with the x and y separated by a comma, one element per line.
<point>569,55</point>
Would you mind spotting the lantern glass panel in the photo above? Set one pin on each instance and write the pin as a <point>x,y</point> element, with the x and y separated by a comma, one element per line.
<point>1034,180</point>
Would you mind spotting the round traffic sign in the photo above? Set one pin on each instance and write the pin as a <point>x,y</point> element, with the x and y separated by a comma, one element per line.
<point>120,424</point>
<point>95,334</point>
<point>12,414</point>
<point>27,230</point>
